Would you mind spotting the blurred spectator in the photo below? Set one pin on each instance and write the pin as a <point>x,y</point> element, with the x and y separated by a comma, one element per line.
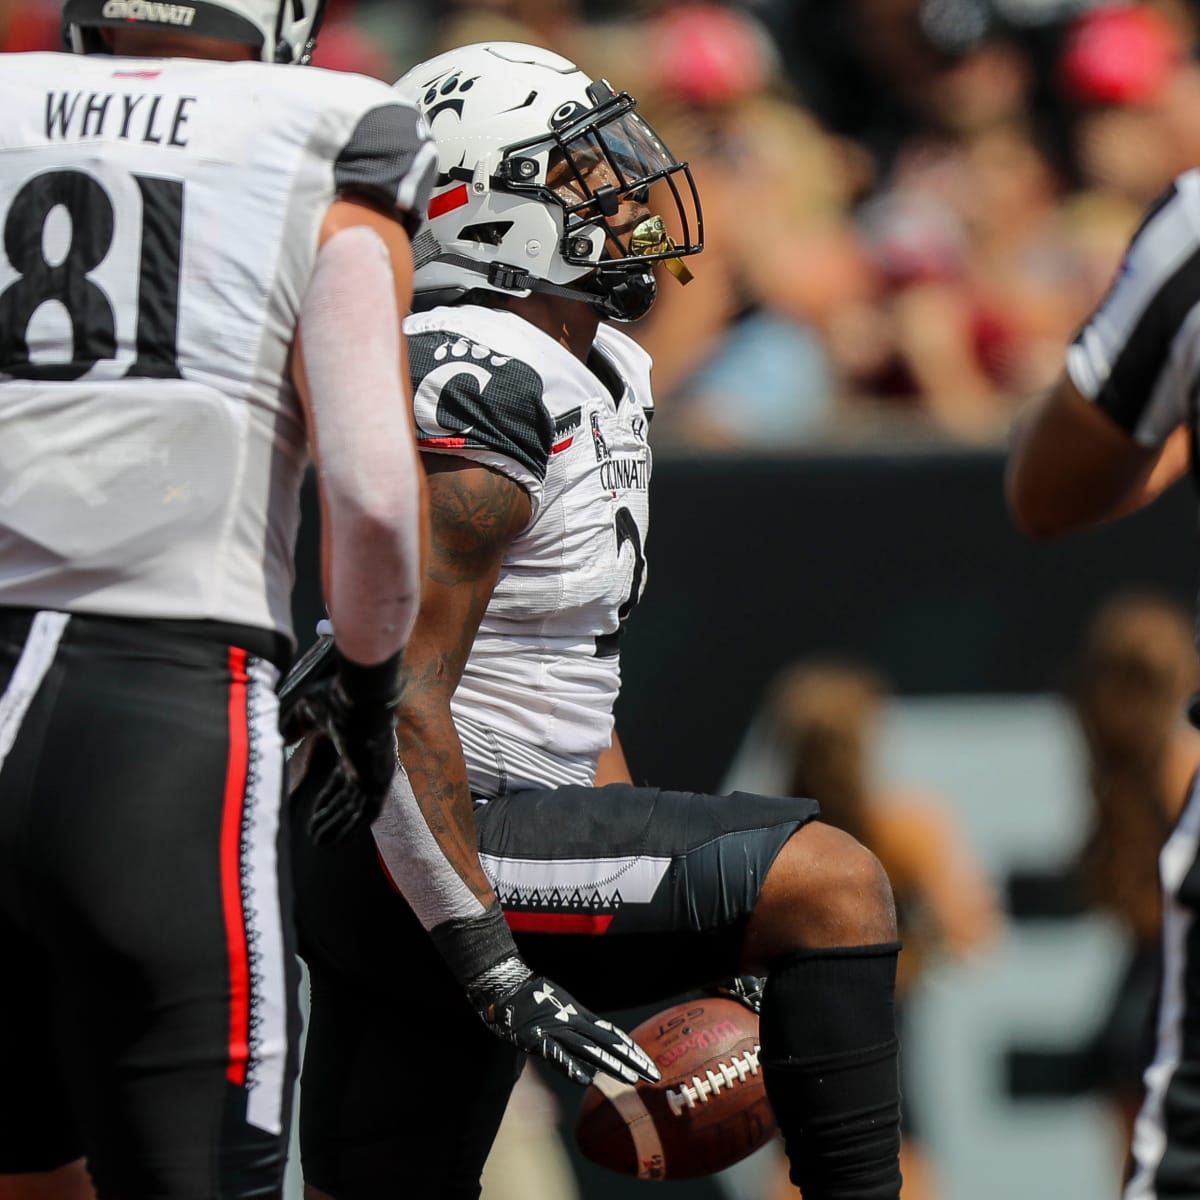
<point>980,280</point>
<point>554,24</point>
<point>1097,225</point>
<point>934,277</point>
<point>816,735</point>
<point>1133,97</point>
<point>1137,669</point>
<point>749,363</point>
<point>1120,55</point>
<point>30,25</point>
<point>975,287</point>
<point>876,71</point>
<point>346,45</point>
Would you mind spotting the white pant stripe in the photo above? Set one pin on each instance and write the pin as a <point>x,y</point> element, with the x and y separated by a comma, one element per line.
<point>636,877</point>
<point>1149,1133</point>
<point>38,653</point>
<point>269,998</point>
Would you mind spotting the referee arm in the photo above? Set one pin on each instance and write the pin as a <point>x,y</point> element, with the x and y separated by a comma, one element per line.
<point>1071,466</point>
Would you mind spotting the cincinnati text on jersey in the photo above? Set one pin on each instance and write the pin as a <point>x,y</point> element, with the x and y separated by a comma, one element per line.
<point>623,473</point>
<point>150,10</point>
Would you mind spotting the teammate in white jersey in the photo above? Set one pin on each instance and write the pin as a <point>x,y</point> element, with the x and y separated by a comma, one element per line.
<point>192,239</point>
<point>1120,428</point>
<point>532,412</point>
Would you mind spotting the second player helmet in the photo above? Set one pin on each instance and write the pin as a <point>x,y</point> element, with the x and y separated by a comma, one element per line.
<point>284,31</point>
<point>548,181</point>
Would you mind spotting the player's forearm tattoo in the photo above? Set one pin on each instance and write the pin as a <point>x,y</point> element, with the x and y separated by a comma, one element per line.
<point>433,758</point>
<point>474,514</point>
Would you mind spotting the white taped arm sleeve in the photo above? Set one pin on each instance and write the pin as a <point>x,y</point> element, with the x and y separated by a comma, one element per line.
<point>366,458</point>
<point>414,860</point>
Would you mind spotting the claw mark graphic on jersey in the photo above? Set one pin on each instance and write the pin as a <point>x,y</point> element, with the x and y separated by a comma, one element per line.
<point>563,1012</point>
<point>462,346</point>
<point>465,396</point>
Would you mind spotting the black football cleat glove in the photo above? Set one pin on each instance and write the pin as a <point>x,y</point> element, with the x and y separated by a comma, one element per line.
<point>355,708</point>
<point>542,1019</point>
<point>745,989</point>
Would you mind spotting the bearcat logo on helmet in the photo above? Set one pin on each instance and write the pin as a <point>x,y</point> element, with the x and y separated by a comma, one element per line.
<point>149,10</point>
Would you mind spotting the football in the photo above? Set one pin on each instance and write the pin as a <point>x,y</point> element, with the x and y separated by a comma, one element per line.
<point>708,1111</point>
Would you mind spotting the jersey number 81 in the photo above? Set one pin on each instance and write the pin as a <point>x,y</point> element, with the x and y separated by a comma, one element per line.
<point>68,280</point>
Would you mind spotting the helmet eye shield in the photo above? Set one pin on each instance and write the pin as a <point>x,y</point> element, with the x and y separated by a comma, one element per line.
<point>604,167</point>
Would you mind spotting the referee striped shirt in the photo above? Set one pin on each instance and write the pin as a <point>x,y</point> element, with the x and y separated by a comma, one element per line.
<point>1138,355</point>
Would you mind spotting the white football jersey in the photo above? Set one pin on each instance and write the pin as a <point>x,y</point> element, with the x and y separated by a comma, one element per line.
<point>534,708</point>
<point>159,225</point>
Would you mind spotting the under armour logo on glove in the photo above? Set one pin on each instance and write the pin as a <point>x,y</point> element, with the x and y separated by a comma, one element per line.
<point>512,1002</point>
<point>565,1011</point>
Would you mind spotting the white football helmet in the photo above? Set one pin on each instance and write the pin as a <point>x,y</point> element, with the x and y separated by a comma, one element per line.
<point>284,30</point>
<point>545,183</point>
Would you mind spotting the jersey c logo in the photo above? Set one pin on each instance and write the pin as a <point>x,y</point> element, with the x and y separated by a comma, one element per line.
<point>428,393</point>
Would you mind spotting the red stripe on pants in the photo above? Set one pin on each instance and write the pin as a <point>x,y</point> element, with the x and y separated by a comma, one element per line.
<point>231,871</point>
<point>528,922</point>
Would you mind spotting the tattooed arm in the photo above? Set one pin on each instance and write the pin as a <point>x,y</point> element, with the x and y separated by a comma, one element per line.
<point>426,833</point>
<point>475,513</point>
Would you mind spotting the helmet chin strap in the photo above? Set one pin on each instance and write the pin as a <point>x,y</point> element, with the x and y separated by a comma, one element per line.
<point>629,297</point>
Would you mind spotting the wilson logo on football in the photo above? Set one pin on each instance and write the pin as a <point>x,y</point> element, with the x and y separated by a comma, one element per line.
<point>698,1041</point>
<point>149,10</point>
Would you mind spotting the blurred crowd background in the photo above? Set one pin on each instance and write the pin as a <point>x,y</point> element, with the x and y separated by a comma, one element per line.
<point>909,204</point>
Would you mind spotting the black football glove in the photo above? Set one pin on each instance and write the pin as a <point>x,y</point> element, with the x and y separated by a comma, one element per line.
<point>317,663</point>
<point>542,1019</point>
<point>745,989</point>
<point>327,695</point>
